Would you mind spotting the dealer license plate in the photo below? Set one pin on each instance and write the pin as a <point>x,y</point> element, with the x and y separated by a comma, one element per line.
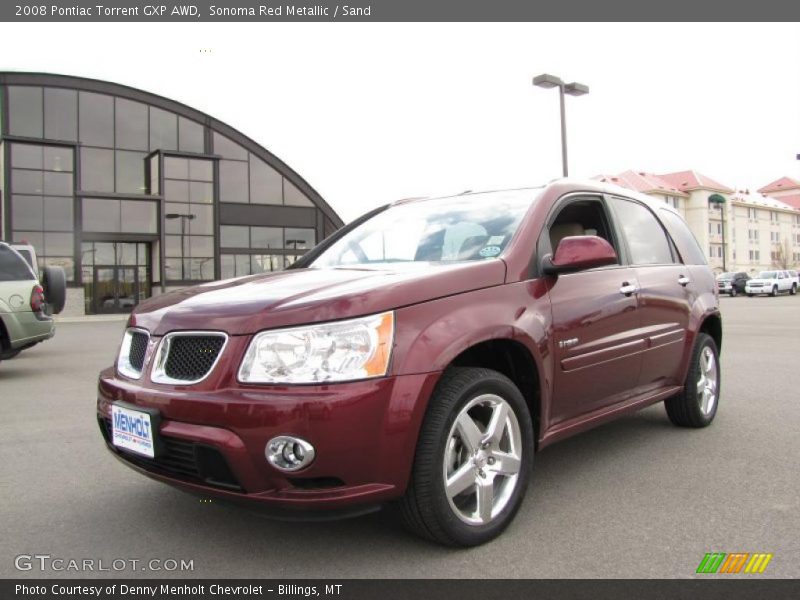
<point>132,430</point>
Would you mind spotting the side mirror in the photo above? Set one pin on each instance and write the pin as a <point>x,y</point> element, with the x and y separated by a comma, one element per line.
<point>579,252</point>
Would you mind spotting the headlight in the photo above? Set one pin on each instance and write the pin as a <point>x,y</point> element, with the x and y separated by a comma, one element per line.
<point>340,351</point>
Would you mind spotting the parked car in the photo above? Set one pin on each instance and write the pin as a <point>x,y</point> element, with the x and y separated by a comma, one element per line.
<point>795,277</point>
<point>26,305</point>
<point>421,355</point>
<point>771,283</point>
<point>732,283</point>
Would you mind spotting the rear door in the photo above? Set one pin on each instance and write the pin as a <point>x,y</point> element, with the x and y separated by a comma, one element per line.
<point>666,292</point>
<point>597,340</point>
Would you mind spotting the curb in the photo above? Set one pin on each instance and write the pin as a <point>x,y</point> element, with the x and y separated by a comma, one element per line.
<point>92,319</point>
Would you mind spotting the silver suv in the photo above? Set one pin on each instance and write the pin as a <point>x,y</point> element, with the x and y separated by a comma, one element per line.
<point>26,304</point>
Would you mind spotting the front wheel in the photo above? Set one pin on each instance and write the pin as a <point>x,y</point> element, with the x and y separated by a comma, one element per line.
<point>733,292</point>
<point>696,405</point>
<point>473,459</point>
<point>793,291</point>
<point>774,291</point>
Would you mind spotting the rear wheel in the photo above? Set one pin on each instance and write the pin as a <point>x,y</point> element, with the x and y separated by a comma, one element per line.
<point>696,404</point>
<point>473,459</point>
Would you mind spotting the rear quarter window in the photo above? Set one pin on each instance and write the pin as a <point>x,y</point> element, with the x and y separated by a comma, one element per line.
<point>687,244</point>
<point>12,267</point>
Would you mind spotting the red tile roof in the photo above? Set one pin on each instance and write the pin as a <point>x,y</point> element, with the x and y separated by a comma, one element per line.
<point>792,200</point>
<point>692,180</point>
<point>642,182</point>
<point>784,183</point>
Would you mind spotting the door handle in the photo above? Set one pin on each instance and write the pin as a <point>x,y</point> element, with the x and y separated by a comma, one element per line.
<point>683,280</point>
<point>628,288</point>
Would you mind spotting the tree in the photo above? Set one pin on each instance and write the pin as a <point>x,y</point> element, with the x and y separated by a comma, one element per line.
<point>782,255</point>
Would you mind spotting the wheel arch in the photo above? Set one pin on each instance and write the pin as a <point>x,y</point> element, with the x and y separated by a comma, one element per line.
<point>513,359</point>
<point>712,325</point>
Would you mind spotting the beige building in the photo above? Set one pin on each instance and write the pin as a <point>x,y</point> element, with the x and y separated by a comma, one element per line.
<point>738,230</point>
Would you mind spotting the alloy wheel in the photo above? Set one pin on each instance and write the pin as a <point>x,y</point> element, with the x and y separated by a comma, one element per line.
<point>707,382</point>
<point>482,459</point>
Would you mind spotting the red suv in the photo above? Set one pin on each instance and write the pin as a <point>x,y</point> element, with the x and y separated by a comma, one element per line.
<point>421,355</point>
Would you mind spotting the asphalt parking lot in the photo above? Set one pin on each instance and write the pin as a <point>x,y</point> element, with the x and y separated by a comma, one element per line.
<point>635,498</point>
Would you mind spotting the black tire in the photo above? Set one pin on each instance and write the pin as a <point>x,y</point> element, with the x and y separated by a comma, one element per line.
<point>425,508</point>
<point>793,291</point>
<point>684,409</point>
<point>733,292</point>
<point>54,283</point>
<point>774,291</point>
<point>749,295</point>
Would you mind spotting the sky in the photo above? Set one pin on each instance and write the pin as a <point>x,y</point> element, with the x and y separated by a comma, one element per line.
<point>368,113</point>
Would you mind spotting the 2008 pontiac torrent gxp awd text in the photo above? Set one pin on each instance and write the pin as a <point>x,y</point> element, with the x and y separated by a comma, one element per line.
<point>421,356</point>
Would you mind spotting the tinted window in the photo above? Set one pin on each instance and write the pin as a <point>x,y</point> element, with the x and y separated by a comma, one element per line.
<point>294,197</point>
<point>266,184</point>
<point>647,242</point>
<point>25,111</point>
<point>12,267</point>
<point>233,236</point>
<point>266,237</point>
<point>139,217</point>
<point>96,117</point>
<point>163,130</point>
<point>130,172</point>
<point>227,148</point>
<point>687,244</point>
<point>97,170</point>
<point>190,136</point>
<point>131,125</point>
<point>60,114</point>
<point>232,181</point>
<point>299,239</point>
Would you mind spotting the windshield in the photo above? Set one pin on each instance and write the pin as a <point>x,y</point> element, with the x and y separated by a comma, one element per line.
<point>768,275</point>
<point>12,266</point>
<point>725,276</point>
<point>461,228</point>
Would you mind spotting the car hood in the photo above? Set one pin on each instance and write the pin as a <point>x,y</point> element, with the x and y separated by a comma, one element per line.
<point>759,280</point>
<point>249,304</point>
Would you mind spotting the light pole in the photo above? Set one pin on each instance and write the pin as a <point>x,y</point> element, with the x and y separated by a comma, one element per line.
<point>573,89</point>
<point>183,217</point>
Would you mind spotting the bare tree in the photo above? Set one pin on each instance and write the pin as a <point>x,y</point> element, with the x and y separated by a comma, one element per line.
<point>782,255</point>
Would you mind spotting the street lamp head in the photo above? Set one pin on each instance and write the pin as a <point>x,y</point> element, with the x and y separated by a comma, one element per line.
<point>172,216</point>
<point>547,81</point>
<point>576,89</point>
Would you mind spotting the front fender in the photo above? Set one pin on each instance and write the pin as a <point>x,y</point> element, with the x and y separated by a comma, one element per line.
<point>430,335</point>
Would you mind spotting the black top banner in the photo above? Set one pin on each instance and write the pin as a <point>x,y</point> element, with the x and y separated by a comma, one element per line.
<point>397,10</point>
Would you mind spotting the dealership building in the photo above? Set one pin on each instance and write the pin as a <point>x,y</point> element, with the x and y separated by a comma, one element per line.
<point>134,194</point>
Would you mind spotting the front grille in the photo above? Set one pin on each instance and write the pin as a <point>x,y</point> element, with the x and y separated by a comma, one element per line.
<point>139,341</point>
<point>187,357</point>
<point>181,459</point>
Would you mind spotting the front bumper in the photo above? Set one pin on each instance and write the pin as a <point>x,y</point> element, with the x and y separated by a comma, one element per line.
<point>364,433</point>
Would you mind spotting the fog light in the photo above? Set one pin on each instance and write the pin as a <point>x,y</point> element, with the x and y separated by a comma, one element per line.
<point>289,453</point>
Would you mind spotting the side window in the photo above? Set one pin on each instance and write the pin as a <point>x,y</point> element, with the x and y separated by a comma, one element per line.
<point>580,217</point>
<point>685,240</point>
<point>647,242</point>
<point>12,267</point>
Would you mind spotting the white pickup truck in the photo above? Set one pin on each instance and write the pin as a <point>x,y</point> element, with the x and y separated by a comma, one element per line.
<point>772,283</point>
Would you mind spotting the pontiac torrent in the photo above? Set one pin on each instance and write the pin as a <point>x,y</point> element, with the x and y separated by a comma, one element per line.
<point>421,356</point>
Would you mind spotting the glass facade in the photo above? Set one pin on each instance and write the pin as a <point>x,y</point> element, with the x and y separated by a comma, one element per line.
<point>134,194</point>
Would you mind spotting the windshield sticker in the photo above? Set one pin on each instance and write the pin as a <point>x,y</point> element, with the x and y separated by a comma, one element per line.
<point>489,251</point>
<point>495,240</point>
